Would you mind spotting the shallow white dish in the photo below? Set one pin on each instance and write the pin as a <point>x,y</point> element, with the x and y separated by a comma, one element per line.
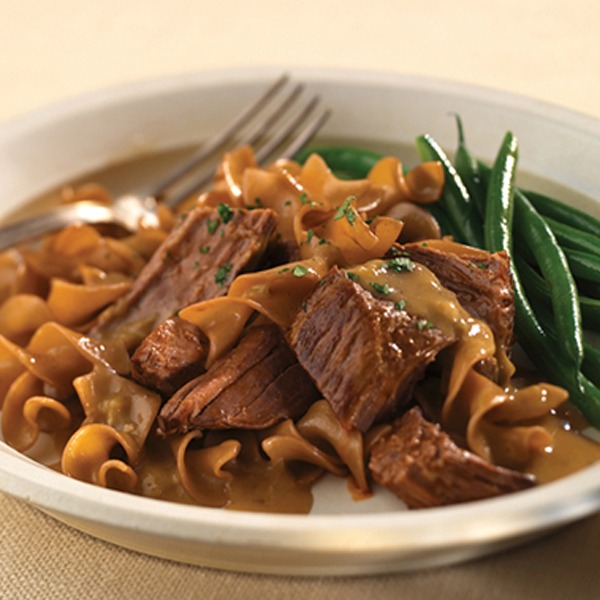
<point>560,150</point>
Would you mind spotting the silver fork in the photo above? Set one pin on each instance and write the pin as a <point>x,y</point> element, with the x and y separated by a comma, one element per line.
<point>280,120</point>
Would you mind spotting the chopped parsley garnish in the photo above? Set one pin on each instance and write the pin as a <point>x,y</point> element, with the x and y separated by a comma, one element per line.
<point>196,264</point>
<point>299,271</point>
<point>287,203</point>
<point>284,270</point>
<point>221,274</point>
<point>381,289</point>
<point>309,235</point>
<point>304,199</point>
<point>400,305</point>
<point>205,250</point>
<point>423,323</point>
<point>400,263</point>
<point>212,225</point>
<point>353,276</point>
<point>304,305</point>
<point>225,212</point>
<point>345,210</point>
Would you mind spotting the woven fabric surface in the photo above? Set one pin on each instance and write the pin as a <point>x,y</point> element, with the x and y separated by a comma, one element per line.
<point>41,558</point>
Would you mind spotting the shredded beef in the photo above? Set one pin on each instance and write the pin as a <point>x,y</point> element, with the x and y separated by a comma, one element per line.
<point>170,356</point>
<point>257,384</point>
<point>424,467</point>
<point>198,261</point>
<point>483,285</point>
<point>363,354</point>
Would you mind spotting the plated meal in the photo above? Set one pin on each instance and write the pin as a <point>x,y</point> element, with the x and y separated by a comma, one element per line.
<point>290,323</point>
<point>416,324</point>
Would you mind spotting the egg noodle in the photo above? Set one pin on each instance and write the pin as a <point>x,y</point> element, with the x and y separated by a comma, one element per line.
<point>61,385</point>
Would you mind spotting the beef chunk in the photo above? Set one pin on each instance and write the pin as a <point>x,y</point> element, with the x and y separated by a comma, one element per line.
<point>170,356</point>
<point>364,355</point>
<point>280,252</point>
<point>197,261</point>
<point>254,386</point>
<point>481,282</point>
<point>424,467</point>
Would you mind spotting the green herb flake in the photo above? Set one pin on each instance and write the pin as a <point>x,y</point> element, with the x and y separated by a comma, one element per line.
<point>304,199</point>
<point>381,289</point>
<point>212,225</point>
<point>196,264</point>
<point>309,235</point>
<point>221,274</point>
<point>353,276</point>
<point>287,203</point>
<point>299,271</point>
<point>343,210</point>
<point>284,270</point>
<point>205,250</point>
<point>400,263</point>
<point>304,305</point>
<point>423,323</point>
<point>400,305</point>
<point>225,212</point>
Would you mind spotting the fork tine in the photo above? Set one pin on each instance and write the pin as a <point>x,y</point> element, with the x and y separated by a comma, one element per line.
<point>302,138</point>
<point>271,118</point>
<point>291,128</point>
<point>223,136</point>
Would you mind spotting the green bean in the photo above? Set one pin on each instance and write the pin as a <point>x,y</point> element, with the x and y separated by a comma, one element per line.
<point>353,162</point>
<point>583,264</point>
<point>590,312</point>
<point>568,215</point>
<point>540,290</point>
<point>555,269</point>
<point>537,289</point>
<point>543,347</point>
<point>468,169</point>
<point>591,363</point>
<point>455,197</point>
<point>497,224</point>
<point>573,238</point>
<point>538,344</point>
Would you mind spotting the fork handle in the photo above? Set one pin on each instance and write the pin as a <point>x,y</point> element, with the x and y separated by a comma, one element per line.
<point>61,216</point>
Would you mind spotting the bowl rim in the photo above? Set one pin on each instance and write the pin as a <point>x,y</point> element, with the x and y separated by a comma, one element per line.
<point>498,518</point>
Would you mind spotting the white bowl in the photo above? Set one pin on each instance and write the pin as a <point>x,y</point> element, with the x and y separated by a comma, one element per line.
<point>560,151</point>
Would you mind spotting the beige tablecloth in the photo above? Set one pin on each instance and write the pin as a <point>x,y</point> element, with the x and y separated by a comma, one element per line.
<point>43,559</point>
<point>53,50</point>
